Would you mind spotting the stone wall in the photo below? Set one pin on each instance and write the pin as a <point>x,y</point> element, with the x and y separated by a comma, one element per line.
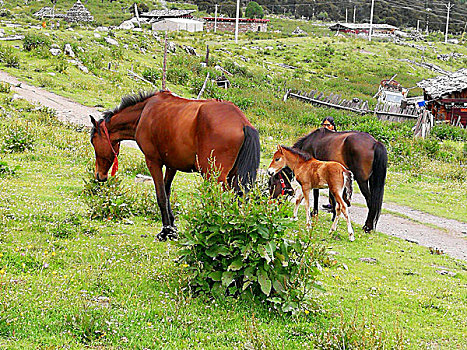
<point>243,27</point>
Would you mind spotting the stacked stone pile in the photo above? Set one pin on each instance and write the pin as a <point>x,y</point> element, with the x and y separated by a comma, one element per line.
<point>78,13</point>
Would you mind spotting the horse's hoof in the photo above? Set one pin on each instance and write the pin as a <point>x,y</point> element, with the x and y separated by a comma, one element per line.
<point>351,238</point>
<point>168,232</point>
<point>367,229</point>
<point>314,213</point>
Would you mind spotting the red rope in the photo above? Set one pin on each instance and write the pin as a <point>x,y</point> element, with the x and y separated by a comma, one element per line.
<point>282,184</point>
<point>115,162</point>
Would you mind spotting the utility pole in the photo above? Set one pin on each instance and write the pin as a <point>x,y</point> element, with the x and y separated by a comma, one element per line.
<point>354,9</point>
<point>448,6</point>
<point>371,18</point>
<point>346,16</point>
<point>418,25</point>
<point>427,13</point>
<point>236,21</point>
<point>215,20</point>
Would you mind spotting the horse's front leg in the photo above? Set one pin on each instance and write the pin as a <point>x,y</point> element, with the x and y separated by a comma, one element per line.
<point>315,201</point>
<point>168,178</point>
<point>168,230</point>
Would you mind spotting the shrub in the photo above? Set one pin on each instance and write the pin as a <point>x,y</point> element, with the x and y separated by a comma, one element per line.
<point>106,200</point>
<point>238,246</point>
<point>449,132</point>
<point>152,74</point>
<point>5,169</point>
<point>178,75</point>
<point>8,57</point>
<point>33,41</point>
<point>5,88</point>
<point>18,139</point>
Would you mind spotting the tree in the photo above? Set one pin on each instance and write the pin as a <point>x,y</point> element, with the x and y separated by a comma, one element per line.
<point>322,16</point>
<point>254,10</point>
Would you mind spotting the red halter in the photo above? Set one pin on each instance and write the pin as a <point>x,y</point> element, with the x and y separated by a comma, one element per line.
<point>281,179</point>
<point>115,162</point>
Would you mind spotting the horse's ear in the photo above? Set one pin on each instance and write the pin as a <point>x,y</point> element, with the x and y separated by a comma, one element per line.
<point>93,121</point>
<point>279,148</point>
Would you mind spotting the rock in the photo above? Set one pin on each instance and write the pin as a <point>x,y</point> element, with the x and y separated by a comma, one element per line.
<point>127,25</point>
<point>101,29</point>
<point>190,50</point>
<point>55,46</point>
<point>137,29</point>
<point>368,260</point>
<point>269,48</point>
<point>142,178</point>
<point>83,68</point>
<point>97,35</point>
<point>16,97</point>
<point>55,52</point>
<point>171,46</point>
<point>446,272</point>
<point>52,74</point>
<point>2,32</point>
<point>69,51</point>
<point>111,41</point>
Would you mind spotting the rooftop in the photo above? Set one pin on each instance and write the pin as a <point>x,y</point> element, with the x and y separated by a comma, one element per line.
<point>167,13</point>
<point>225,19</point>
<point>362,26</point>
<point>445,84</point>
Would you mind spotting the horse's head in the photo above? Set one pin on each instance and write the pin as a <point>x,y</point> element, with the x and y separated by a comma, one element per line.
<point>106,150</point>
<point>279,184</point>
<point>278,161</point>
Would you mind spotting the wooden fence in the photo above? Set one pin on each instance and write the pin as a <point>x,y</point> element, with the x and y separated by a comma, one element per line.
<point>382,111</point>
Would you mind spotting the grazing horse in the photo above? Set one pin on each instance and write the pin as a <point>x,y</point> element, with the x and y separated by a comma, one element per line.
<point>311,173</point>
<point>359,152</point>
<point>180,134</point>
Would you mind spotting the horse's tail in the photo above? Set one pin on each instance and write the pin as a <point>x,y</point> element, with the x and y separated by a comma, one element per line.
<point>247,162</point>
<point>377,180</point>
<point>348,189</point>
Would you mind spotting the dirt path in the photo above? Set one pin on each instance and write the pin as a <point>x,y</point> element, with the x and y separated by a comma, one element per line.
<point>451,237</point>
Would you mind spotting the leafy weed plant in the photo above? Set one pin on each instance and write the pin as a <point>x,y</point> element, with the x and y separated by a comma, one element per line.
<point>18,139</point>
<point>240,246</point>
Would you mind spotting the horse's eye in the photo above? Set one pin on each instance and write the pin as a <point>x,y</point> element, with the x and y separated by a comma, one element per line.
<point>277,159</point>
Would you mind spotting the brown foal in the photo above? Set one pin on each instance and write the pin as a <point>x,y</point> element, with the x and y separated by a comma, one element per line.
<point>312,173</point>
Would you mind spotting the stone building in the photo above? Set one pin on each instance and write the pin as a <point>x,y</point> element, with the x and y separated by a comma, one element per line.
<point>446,96</point>
<point>78,13</point>
<point>244,24</point>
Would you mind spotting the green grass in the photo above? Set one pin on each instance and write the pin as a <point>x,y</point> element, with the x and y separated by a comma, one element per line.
<point>66,279</point>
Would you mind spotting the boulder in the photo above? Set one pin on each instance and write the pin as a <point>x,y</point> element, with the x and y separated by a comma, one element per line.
<point>101,29</point>
<point>55,52</point>
<point>97,35</point>
<point>126,25</point>
<point>111,41</point>
<point>69,51</point>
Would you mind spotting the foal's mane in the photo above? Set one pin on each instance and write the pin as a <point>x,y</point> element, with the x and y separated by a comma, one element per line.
<point>128,101</point>
<point>298,152</point>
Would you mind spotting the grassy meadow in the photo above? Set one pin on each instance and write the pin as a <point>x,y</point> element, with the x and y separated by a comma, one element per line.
<point>67,277</point>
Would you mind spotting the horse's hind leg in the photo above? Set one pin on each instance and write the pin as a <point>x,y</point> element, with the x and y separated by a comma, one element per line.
<point>315,201</point>
<point>306,193</point>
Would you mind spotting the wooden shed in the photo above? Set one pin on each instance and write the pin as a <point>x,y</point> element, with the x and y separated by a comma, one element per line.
<point>446,96</point>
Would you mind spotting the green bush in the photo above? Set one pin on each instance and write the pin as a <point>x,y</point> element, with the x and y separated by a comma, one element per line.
<point>8,57</point>
<point>33,41</point>
<point>449,132</point>
<point>239,246</point>
<point>5,88</point>
<point>178,75</point>
<point>6,170</point>
<point>152,74</point>
<point>18,139</point>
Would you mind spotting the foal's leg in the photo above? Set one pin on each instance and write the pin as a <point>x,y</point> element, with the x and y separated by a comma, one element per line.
<point>298,200</point>
<point>306,193</point>
<point>168,178</point>
<point>345,212</point>
<point>340,202</point>
<point>168,231</point>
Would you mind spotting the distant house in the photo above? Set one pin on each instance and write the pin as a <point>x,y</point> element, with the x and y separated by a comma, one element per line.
<point>363,28</point>
<point>244,24</point>
<point>176,24</point>
<point>158,15</point>
<point>446,96</point>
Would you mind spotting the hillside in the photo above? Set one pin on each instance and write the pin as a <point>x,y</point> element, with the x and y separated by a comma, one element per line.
<point>403,13</point>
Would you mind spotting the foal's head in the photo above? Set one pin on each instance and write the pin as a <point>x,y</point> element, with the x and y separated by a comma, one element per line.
<point>278,161</point>
<point>106,151</point>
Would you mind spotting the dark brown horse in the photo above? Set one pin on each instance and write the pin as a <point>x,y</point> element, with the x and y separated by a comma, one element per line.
<point>359,152</point>
<point>180,134</point>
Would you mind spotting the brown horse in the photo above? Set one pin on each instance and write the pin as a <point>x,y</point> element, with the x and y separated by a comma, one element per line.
<point>360,153</point>
<point>180,134</point>
<point>314,174</point>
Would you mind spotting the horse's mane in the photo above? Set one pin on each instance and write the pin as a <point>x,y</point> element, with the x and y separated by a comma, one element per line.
<point>299,152</point>
<point>128,101</point>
